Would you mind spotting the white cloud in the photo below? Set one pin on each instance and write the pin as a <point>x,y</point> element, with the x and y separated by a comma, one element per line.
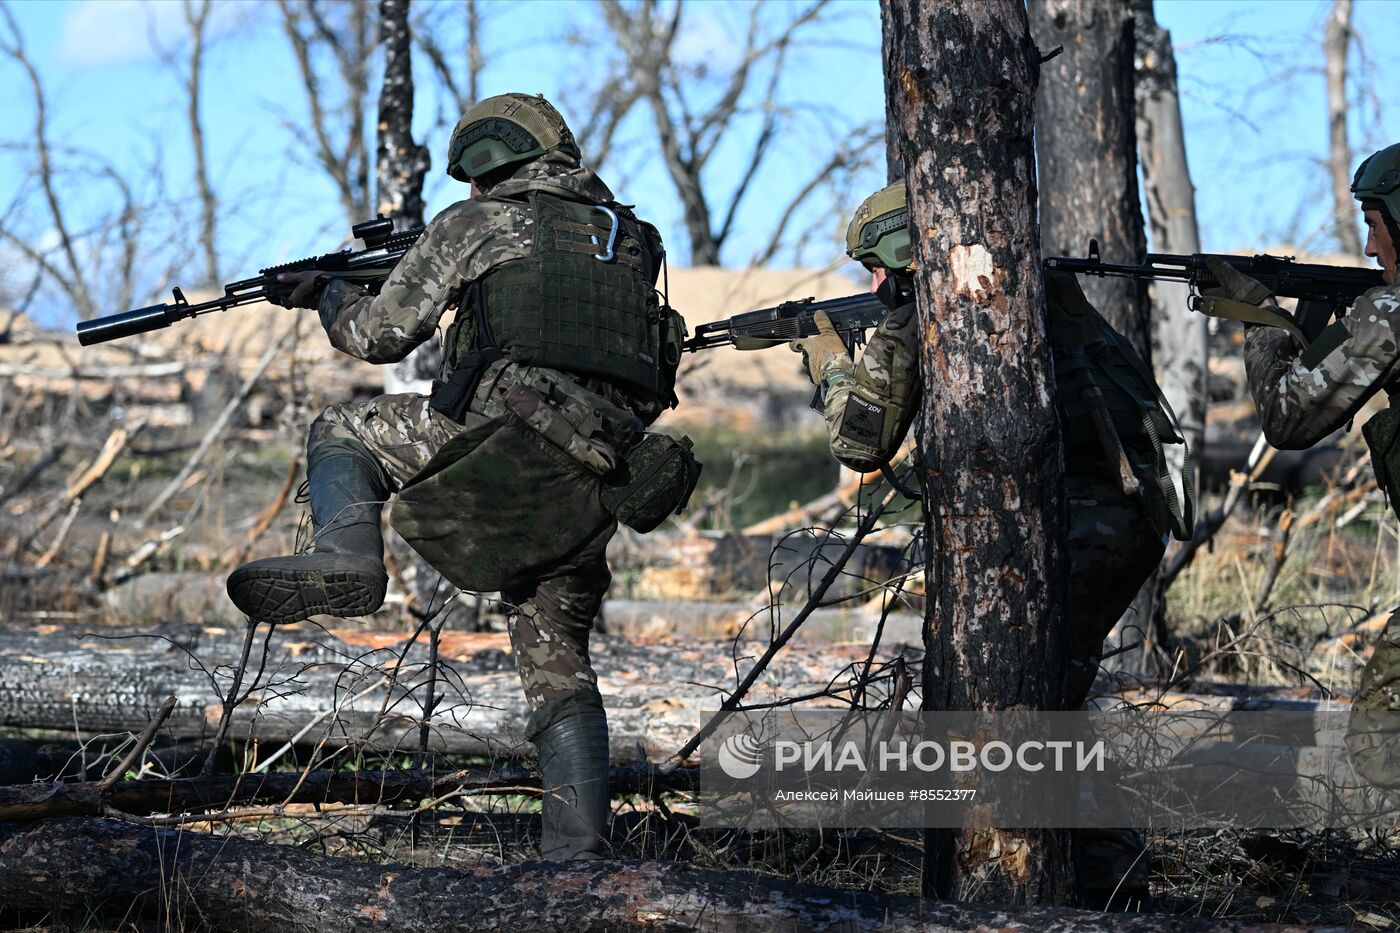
<point>118,32</point>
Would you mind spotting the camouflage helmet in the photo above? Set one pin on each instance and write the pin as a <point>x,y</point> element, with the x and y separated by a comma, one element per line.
<point>1378,179</point>
<point>506,130</point>
<point>879,231</point>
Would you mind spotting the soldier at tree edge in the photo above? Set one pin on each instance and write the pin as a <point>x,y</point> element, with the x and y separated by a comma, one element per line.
<point>558,356</point>
<point>1116,538</point>
<point>1305,393</point>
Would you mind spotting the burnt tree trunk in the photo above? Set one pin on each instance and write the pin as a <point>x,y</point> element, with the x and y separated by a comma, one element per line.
<point>84,867</point>
<point>1087,152</point>
<point>1181,338</point>
<point>1086,149</point>
<point>1334,47</point>
<point>960,82</point>
<point>401,166</point>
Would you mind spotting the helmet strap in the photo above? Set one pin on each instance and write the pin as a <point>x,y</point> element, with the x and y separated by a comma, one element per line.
<point>896,290</point>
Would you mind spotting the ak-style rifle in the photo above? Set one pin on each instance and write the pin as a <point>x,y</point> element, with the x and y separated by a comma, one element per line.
<point>369,266</point>
<point>852,316</point>
<point>1322,291</point>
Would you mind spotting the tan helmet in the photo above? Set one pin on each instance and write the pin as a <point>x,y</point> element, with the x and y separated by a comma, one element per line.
<point>505,130</point>
<point>879,231</point>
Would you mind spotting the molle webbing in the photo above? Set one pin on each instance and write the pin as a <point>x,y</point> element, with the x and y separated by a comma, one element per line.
<point>565,308</point>
<point>1098,373</point>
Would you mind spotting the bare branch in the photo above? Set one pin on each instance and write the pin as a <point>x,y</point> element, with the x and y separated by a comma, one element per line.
<point>76,286</point>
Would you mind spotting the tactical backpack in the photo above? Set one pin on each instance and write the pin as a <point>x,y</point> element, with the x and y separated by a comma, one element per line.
<point>1112,409</point>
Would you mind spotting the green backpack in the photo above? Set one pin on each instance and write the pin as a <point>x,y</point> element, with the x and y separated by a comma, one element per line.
<point>1110,402</point>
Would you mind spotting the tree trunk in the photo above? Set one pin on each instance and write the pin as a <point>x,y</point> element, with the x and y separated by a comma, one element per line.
<point>1334,48</point>
<point>371,788</point>
<point>350,685</point>
<point>1087,152</point>
<point>197,18</point>
<point>1181,344</point>
<point>401,163</point>
<point>401,166</point>
<point>960,83</point>
<point>80,867</point>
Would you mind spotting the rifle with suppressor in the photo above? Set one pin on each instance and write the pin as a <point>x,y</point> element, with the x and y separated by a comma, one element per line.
<point>1322,291</point>
<point>369,266</point>
<point>852,316</point>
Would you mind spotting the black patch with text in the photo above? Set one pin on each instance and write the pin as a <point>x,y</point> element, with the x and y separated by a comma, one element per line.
<point>862,421</point>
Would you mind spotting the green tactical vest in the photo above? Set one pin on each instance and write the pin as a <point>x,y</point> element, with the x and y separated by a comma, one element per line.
<point>1098,374</point>
<point>583,302</point>
<point>1382,433</point>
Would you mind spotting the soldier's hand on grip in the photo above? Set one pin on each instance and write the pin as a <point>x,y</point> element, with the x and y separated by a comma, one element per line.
<point>1235,285</point>
<point>819,347</point>
<point>296,289</point>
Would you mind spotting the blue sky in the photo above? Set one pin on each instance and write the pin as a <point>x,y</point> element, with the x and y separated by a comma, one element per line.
<point>1252,102</point>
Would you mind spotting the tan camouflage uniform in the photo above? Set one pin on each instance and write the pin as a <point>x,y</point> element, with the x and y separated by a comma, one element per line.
<point>1114,541</point>
<point>1303,396</point>
<point>531,445</point>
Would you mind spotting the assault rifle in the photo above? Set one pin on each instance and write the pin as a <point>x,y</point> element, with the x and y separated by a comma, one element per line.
<point>369,266</point>
<point>1322,291</point>
<point>852,316</point>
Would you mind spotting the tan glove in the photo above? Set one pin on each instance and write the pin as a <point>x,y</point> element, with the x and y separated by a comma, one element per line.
<point>1234,285</point>
<point>819,347</point>
<point>1238,297</point>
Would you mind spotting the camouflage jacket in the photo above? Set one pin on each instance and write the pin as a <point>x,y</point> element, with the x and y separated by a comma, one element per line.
<point>459,246</point>
<point>868,405</point>
<point>1303,396</point>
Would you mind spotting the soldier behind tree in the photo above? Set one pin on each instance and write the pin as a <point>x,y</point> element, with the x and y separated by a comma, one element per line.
<point>558,354</point>
<point>1119,508</point>
<point>1304,394</point>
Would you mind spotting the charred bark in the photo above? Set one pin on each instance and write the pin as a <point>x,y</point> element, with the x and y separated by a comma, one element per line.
<point>94,866</point>
<point>960,83</point>
<point>401,162</point>
<point>380,788</point>
<point>1086,150</point>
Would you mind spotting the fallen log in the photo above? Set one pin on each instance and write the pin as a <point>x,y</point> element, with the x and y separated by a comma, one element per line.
<point>380,788</point>
<point>364,689</point>
<point>79,865</point>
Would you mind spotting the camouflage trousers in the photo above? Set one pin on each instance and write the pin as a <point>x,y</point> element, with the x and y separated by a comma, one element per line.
<point>1373,731</point>
<point>1115,542</point>
<point>551,616</point>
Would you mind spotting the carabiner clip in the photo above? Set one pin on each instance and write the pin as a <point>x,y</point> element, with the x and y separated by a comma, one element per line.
<point>607,255</point>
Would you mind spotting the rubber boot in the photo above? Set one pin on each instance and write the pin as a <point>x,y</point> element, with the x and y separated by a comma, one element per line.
<point>573,750</point>
<point>344,574</point>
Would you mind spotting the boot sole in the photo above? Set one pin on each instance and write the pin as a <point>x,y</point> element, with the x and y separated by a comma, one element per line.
<point>282,597</point>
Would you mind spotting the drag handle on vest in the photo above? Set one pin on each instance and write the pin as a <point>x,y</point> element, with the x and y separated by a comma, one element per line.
<point>1111,443</point>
